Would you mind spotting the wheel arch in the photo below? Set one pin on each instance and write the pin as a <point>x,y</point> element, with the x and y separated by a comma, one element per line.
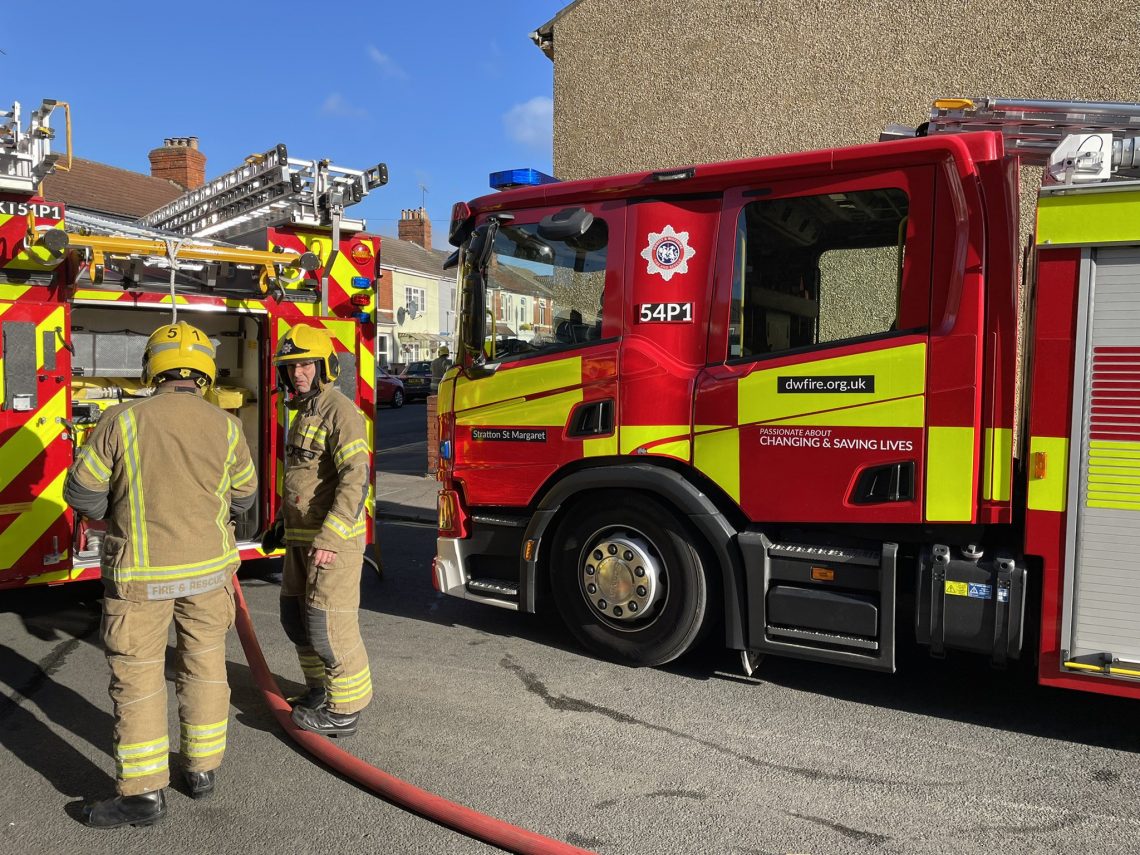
<point>666,485</point>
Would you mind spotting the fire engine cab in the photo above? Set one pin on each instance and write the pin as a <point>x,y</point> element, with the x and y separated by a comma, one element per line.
<point>788,398</point>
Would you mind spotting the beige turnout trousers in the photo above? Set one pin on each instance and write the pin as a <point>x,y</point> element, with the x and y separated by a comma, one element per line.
<point>319,614</point>
<point>135,636</point>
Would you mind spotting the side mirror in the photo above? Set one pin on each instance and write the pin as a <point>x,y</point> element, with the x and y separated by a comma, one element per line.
<point>566,224</point>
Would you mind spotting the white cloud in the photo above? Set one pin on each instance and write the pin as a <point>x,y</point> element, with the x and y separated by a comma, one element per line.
<point>531,122</point>
<point>386,63</point>
<point>337,105</point>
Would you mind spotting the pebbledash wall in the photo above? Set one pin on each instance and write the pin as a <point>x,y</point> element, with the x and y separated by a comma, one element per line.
<point>646,85</point>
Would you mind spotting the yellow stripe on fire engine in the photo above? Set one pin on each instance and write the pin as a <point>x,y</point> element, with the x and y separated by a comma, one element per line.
<point>1048,492</point>
<point>604,447</point>
<point>998,474</point>
<point>18,537</point>
<point>717,455</point>
<point>949,474</point>
<point>1088,218</point>
<point>634,437</point>
<point>1113,479</point>
<point>27,445</point>
<point>899,372</point>
<point>517,382</point>
<point>546,411</point>
<point>902,412</point>
<point>446,399</point>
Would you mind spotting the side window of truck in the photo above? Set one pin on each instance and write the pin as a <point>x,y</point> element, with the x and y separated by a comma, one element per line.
<point>544,295</point>
<point>816,269</point>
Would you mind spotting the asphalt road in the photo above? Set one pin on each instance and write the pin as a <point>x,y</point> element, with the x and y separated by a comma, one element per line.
<point>401,444</point>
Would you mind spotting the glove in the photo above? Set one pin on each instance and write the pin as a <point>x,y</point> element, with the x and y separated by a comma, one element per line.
<point>274,537</point>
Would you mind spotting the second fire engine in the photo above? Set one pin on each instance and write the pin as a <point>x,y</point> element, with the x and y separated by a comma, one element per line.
<point>779,396</point>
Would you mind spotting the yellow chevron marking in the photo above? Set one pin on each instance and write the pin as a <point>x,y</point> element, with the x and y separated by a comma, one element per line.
<point>367,364</point>
<point>343,331</point>
<point>19,536</point>
<point>13,292</point>
<point>30,440</point>
<point>58,575</point>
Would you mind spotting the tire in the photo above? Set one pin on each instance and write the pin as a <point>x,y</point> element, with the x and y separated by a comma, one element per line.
<point>397,399</point>
<point>662,612</point>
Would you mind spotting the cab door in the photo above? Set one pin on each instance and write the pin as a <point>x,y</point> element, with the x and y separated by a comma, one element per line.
<point>813,407</point>
<point>547,392</point>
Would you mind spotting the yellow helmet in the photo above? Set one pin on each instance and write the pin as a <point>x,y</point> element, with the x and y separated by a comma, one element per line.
<point>179,351</point>
<point>443,351</point>
<point>306,344</point>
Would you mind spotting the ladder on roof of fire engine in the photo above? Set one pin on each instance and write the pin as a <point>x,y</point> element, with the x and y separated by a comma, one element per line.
<point>269,189</point>
<point>1077,141</point>
<point>26,156</point>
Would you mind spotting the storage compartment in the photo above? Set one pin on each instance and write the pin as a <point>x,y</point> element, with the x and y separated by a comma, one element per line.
<point>107,369</point>
<point>970,602</point>
<point>826,611</point>
<point>828,602</point>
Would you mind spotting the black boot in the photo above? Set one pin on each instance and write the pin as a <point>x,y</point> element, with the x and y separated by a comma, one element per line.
<point>314,697</point>
<point>200,784</point>
<point>320,720</point>
<point>145,809</point>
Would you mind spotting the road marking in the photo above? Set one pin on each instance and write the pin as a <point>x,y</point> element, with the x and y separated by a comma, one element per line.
<point>400,447</point>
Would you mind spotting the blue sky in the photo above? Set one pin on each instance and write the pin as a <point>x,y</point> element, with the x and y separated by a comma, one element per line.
<point>443,92</point>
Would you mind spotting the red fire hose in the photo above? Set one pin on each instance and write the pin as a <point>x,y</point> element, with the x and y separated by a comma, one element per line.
<point>405,795</point>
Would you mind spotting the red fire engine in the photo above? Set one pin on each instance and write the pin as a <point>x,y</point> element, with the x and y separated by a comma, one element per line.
<point>782,396</point>
<point>244,258</point>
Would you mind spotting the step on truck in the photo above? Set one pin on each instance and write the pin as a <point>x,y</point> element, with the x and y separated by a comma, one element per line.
<point>789,399</point>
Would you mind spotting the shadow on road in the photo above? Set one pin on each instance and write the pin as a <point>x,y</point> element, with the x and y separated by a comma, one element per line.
<point>406,591</point>
<point>961,688</point>
<point>68,616</point>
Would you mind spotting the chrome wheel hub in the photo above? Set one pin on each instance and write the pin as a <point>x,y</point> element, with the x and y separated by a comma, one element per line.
<point>620,576</point>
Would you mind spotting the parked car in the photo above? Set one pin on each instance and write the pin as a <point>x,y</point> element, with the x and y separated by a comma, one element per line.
<point>417,380</point>
<point>389,389</point>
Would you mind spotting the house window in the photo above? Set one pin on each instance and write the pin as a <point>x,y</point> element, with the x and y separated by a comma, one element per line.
<point>416,300</point>
<point>542,312</point>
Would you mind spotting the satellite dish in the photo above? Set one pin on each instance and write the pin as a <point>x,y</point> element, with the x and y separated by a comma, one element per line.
<point>413,313</point>
<point>401,313</point>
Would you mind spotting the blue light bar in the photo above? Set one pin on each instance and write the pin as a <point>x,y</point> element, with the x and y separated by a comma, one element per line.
<point>361,282</point>
<point>510,178</point>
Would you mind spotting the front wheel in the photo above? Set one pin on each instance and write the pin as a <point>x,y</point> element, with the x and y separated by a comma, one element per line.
<point>627,582</point>
<point>397,399</point>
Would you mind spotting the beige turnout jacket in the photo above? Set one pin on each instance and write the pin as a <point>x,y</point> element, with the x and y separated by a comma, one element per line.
<point>167,471</point>
<point>327,473</point>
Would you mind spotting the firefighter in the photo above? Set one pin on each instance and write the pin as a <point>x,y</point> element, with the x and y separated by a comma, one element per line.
<point>169,472</point>
<point>322,526</point>
<point>439,367</point>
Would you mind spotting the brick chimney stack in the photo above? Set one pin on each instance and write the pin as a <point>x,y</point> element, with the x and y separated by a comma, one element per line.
<point>179,161</point>
<point>416,227</point>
